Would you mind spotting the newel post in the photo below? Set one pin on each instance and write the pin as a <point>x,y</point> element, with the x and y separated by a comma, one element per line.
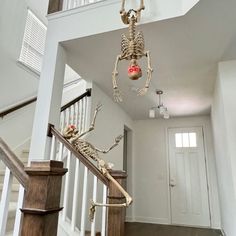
<point>116,216</point>
<point>42,198</point>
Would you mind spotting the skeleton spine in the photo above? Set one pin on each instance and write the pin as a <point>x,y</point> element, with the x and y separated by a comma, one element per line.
<point>132,28</point>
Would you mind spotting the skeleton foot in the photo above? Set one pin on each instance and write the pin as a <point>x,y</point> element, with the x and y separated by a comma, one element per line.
<point>118,138</point>
<point>117,95</point>
<point>92,211</point>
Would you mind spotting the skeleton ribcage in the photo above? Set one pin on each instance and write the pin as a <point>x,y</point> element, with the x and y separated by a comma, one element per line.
<point>132,49</point>
<point>86,149</point>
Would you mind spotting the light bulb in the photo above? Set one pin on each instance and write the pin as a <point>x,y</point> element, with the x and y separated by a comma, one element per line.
<point>151,113</point>
<point>162,109</point>
<point>166,115</point>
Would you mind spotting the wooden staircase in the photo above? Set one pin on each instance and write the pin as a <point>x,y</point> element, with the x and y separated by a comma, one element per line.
<point>14,193</point>
<point>42,182</point>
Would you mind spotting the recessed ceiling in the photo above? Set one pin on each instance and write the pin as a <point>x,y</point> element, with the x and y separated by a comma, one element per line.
<point>185,52</point>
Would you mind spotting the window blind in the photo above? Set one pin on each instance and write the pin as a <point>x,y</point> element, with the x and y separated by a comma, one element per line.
<point>32,50</point>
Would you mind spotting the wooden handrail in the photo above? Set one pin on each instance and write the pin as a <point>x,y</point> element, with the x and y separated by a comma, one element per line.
<point>86,94</point>
<point>13,163</point>
<point>34,99</point>
<point>78,155</point>
<point>17,107</point>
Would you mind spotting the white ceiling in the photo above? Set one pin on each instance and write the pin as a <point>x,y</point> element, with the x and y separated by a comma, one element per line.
<point>184,51</point>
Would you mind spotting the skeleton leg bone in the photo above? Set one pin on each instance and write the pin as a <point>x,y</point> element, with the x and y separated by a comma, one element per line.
<point>144,90</point>
<point>127,196</point>
<point>117,93</point>
<point>142,7</point>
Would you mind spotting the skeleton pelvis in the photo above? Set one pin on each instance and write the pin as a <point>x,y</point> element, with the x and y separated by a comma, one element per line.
<point>134,70</point>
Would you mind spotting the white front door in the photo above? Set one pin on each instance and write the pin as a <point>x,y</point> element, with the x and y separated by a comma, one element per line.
<point>188,182</point>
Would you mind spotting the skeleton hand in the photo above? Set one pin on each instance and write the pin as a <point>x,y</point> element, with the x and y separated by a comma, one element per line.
<point>92,211</point>
<point>98,107</point>
<point>117,95</point>
<point>118,138</point>
<point>142,91</point>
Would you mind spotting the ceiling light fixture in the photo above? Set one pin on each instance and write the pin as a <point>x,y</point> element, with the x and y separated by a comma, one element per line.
<point>160,108</point>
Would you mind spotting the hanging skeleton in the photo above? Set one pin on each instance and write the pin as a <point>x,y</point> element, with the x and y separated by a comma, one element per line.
<point>89,151</point>
<point>132,49</point>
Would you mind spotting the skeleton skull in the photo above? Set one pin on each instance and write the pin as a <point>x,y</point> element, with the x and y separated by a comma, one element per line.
<point>134,70</point>
<point>70,131</point>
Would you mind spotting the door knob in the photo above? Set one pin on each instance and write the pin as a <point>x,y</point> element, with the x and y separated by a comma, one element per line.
<point>172,183</point>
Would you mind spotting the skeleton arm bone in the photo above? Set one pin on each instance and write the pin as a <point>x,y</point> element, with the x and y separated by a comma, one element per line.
<point>117,140</point>
<point>93,122</point>
<point>144,90</point>
<point>116,94</point>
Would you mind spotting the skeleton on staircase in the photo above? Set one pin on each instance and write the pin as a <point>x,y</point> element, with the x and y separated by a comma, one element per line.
<point>89,151</point>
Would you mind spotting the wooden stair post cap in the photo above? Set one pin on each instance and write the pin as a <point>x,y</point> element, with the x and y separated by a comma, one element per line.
<point>46,168</point>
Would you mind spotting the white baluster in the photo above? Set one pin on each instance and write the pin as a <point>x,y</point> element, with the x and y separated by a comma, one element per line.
<point>67,185</point>
<point>70,115</point>
<point>53,148</point>
<point>76,114</point>
<point>82,2</point>
<point>5,199</point>
<point>64,6</point>
<point>75,196</point>
<point>84,202</point>
<point>93,225</point>
<point>67,116</point>
<point>85,112</point>
<point>60,154</point>
<point>80,117</point>
<point>62,121</point>
<point>17,225</point>
<point>104,211</point>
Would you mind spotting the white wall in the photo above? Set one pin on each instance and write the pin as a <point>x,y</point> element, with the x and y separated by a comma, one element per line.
<point>16,82</point>
<point>151,190</point>
<point>224,130</point>
<point>15,128</point>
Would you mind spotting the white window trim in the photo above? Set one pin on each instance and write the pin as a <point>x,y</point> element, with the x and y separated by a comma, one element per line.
<point>20,62</point>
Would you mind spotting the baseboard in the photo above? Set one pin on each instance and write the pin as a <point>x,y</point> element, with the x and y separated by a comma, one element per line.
<point>129,219</point>
<point>141,219</point>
